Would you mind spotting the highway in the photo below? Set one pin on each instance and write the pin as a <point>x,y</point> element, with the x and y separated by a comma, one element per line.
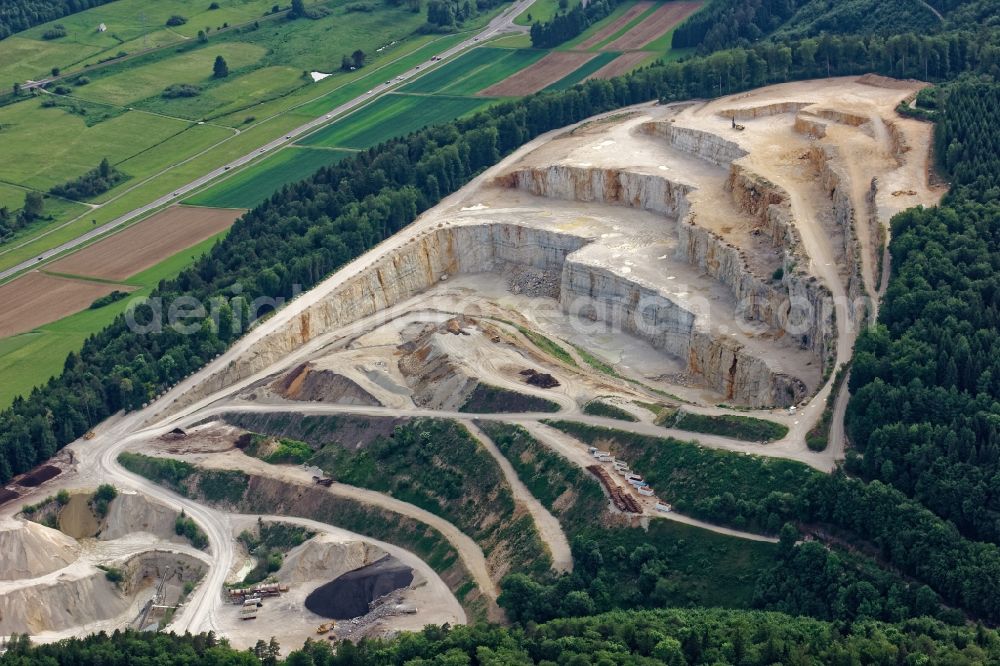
<point>502,24</point>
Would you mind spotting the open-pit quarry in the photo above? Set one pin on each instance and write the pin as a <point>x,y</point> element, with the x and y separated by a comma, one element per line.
<point>711,258</point>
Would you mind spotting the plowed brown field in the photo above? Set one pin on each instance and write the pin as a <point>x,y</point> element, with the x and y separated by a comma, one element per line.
<point>546,71</point>
<point>618,24</point>
<point>620,65</point>
<point>654,25</point>
<point>147,243</point>
<point>36,299</point>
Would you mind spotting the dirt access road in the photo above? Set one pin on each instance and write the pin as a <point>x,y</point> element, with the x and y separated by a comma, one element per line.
<point>548,527</point>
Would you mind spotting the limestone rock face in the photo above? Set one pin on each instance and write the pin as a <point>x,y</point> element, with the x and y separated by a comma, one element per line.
<point>398,276</point>
<point>709,147</point>
<point>415,267</point>
<point>668,325</point>
<point>612,186</point>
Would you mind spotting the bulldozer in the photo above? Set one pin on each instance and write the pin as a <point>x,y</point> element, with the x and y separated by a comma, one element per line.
<point>325,627</point>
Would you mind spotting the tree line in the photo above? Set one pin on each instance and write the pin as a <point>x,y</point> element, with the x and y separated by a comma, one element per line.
<point>18,15</point>
<point>12,222</point>
<point>674,637</point>
<point>98,180</point>
<point>564,26</point>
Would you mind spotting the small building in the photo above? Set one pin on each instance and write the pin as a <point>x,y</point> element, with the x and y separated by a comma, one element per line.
<point>646,491</point>
<point>664,507</point>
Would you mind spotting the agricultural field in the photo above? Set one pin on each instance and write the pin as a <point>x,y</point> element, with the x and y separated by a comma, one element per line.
<point>132,26</point>
<point>145,244</point>
<point>72,146</point>
<point>137,81</point>
<point>389,116</point>
<point>652,27</point>
<point>40,298</point>
<point>31,358</point>
<point>249,187</point>
<point>585,71</point>
<point>474,71</point>
<point>550,69</point>
<point>633,35</point>
<point>541,10</point>
<point>624,16</point>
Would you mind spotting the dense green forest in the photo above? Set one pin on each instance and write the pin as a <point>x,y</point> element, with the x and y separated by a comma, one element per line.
<point>18,15</point>
<point>925,415</point>
<point>763,494</point>
<point>726,23</point>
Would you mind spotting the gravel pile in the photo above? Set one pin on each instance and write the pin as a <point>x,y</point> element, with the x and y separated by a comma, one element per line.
<point>532,281</point>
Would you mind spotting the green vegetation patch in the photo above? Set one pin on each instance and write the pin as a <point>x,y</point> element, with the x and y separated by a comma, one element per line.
<point>601,408</point>
<point>72,146</point>
<point>474,71</point>
<point>487,399</point>
<point>251,186</point>
<point>91,112</point>
<point>584,70</point>
<point>547,345</point>
<point>437,465</point>
<point>542,10</point>
<point>390,116</point>
<point>165,471</point>
<point>268,542</point>
<point>746,428</point>
<point>276,450</point>
<point>617,566</point>
<point>746,492</point>
<point>185,526</point>
<point>216,485</point>
<point>137,81</point>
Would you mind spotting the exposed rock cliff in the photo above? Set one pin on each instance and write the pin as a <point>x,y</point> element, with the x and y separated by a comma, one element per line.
<point>709,147</point>
<point>612,186</point>
<point>666,324</point>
